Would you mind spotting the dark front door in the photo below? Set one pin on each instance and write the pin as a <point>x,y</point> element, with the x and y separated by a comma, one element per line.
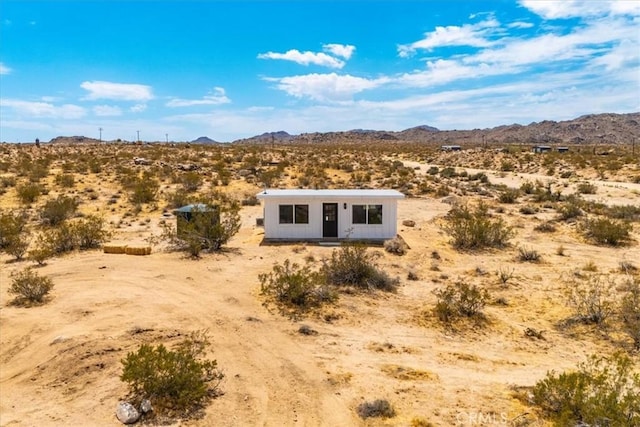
<point>329,220</point>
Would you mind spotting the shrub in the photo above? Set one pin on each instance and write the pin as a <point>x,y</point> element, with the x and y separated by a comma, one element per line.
<point>630,312</point>
<point>17,245</point>
<point>458,300</point>
<point>592,298</point>
<point>604,391</point>
<point>29,193</point>
<point>292,285</point>
<point>59,209</point>
<point>395,246</point>
<point>29,287</point>
<point>604,231</point>
<point>353,265</point>
<point>568,211</point>
<point>476,229</point>
<point>178,379</point>
<point>65,180</point>
<point>190,181</point>
<point>510,195</point>
<point>545,227</point>
<point>142,189</point>
<point>90,233</point>
<point>179,198</point>
<point>378,408</point>
<point>528,255</point>
<point>60,239</point>
<point>587,188</point>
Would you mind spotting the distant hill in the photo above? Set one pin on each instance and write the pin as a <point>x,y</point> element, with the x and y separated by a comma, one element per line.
<point>74,140</point>
<point>204,140</point>
<point>607,128</point>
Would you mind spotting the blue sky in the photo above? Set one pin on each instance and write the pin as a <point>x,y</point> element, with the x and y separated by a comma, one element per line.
<point>234,69</point>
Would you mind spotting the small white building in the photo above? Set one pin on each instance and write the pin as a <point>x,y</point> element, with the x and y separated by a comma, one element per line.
<point>330,214</point>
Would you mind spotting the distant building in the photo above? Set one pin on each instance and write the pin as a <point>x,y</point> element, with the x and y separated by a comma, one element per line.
<point>563,149</point>
<point>451,148</point>
<point>541,148</point>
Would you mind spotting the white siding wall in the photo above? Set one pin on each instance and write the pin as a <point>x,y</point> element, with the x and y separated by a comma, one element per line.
<point>274,230</point>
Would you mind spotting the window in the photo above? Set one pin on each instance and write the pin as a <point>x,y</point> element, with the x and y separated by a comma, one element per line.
<point>294,214</point>
<point>359,214</point>
<point>286,214</point>
<point>366,214</point>
<point>374,214</point>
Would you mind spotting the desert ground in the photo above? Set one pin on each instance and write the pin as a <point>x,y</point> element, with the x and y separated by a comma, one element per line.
<point>60,362</point>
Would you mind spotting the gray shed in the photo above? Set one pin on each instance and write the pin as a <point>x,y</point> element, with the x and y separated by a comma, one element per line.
<point>189,214</point>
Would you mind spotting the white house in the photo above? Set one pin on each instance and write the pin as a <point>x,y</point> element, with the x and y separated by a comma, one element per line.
<point>330,214</point>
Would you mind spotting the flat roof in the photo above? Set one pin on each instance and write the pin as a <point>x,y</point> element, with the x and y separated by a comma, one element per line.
<point>344,193</point>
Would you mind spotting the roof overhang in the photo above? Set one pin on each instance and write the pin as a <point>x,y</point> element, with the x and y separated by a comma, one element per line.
<point>328,194</point>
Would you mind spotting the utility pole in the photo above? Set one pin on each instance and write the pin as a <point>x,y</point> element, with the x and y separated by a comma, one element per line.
<point>100,129</point>
<point>167,136</point>
<point>138,140</point>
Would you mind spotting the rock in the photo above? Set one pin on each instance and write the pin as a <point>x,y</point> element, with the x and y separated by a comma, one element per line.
<point>127,413</point>
<point>244,172</point>
<point>409,223</point>
<point>141,161</point>
<point>145,406</point>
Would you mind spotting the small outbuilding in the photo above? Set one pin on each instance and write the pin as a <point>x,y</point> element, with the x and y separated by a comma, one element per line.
<point>451,148</point>
<point>541,149</point>
<point>316,215</point>
<point>191,214</point>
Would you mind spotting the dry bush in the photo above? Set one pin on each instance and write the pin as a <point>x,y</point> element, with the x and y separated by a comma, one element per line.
<point>59,209</point>
<point>476,229</point>
<point>630,311</point>
<point>592,297</point>
<point>353,265</point>
<point>605,231</point>
<point>459,300</point>
<point>378,408</point>
<point>29,287</point>
<point>396,246</point>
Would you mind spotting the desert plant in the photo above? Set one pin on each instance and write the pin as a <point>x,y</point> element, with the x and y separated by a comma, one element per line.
<point>528,255</point>
<point>545,227</point>
<point>509,195</point>
<point>142,189</point>
<point>592,297</point>
<point>476,229</point>
<point>603,391</point>
<point>587,188</point>
<point>178,379</point>
<point>294,285</point>
<point>353,265</point>
<point>458,300</point>
<point>605,231</point>
<point>504,275</point>
<point>29,192</point>
<point>395,246</point>
<point>60,239</point>
<point>569,210</point>
<point>378,408</point>
<point>59,209</point>
<point>190,181</point>
<point>214,220</point>
<point>65,180</point>
<point>630,312</point>
<point>89,233</point>
<point>29,287</point>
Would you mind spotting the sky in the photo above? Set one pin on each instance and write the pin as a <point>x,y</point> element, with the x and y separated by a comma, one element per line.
<point>178,70</point>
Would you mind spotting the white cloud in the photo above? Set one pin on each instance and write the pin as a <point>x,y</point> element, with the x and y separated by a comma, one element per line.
<point>342,50</point>
<point>554,9</point>
<point>326,87</point>
<point>117,91</point>
<point>215,97</point>
<point>474,35</point>
<point>520,24</point>
<point>305,58</point>
<point>138,108</point>
<point>107,110</point>
<point>4,69</point>
<point>44,109</point>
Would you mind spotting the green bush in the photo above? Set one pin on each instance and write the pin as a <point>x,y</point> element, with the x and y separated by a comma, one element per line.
<point>65,180</point>
<point>569,210</point>
<point>142,189</point>
<point>587,188</point>
<point>190,181</point>
<point>178,379</point>
<point>89,233</point>
<point>29,287</point>
<point>510,195</point>
<point>476,229</point>
<point>605,231</point>
<point>209,229</point>
<point>29,193</point>
<point>292,285</point>
<point>459,300</point>
<point>604,391</point>
<point>353,265</point>
<point>59,209</point>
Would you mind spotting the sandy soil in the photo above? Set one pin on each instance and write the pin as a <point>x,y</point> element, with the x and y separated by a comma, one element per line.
<point>60,362</point>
